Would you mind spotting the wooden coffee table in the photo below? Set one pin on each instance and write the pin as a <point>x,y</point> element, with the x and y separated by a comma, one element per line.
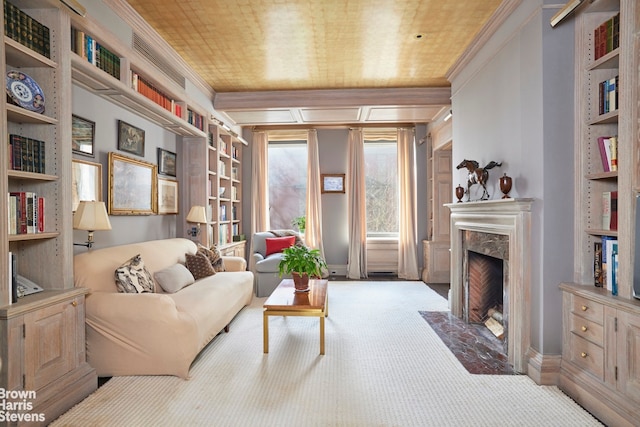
<point>285,301</point>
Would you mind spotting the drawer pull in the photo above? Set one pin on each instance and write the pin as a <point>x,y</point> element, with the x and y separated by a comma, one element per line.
<point>584,308</point>
<point>584,329</point>
<point>583,355</point>
<point>74,303</point>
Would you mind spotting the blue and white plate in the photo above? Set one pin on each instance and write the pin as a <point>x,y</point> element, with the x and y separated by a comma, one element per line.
<point>24,91</point>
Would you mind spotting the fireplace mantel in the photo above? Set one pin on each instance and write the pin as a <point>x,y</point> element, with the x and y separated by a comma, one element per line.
<point>510,217</point>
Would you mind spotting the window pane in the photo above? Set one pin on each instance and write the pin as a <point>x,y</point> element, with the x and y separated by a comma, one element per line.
<point>287,183</point>
<point>381,170</point>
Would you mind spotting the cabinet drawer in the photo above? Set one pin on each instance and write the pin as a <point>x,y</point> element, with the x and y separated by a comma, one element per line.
<point>587,356</point>
<point>588,309</point>
<point>587,329</point>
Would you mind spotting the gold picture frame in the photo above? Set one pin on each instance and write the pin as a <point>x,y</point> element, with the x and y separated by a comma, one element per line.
<point>132,186</point>
<point>86,182</point>
<point>167,196</point>
<point>332,183</point>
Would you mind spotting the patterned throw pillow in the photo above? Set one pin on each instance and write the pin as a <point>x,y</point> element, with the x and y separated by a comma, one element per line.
<point>213,255</point>
<point>132,277</point>
<point>199,265</point>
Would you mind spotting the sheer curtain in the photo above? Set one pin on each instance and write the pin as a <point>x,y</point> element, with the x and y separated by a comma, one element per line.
<point>407,240</point>
<point>313,231</point>
<point>259,187</point>
<point>357,260</point>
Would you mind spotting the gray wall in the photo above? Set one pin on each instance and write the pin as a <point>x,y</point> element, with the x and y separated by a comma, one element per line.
<point>125,229</point>
<point>514,103</point>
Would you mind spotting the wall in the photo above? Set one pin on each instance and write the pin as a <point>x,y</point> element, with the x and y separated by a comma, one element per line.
<point>514,103</point>
<point>333,152</point>
<point>125,229</point>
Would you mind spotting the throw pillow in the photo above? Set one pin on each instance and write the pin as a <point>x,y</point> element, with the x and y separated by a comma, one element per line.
<point>133,277</point>
<point>278,244</point>
<point>214,257</point>
<point>199,265</point>
<point>174,278</point>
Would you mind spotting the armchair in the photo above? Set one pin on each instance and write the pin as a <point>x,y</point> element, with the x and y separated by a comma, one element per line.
<point>266,266</point>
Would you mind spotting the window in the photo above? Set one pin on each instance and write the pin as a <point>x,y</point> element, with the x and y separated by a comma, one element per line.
<point>287,171</point>
<point>381,172</point>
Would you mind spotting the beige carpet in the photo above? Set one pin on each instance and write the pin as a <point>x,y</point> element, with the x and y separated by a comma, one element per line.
<point>384,366</point>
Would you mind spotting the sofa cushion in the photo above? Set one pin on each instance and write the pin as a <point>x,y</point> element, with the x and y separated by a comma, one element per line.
<point>270,263</point>
<point>133,277</point>
<point>278,244</point>
<point>214,255</point>
<point>199,265</point>
<point>174,278</point>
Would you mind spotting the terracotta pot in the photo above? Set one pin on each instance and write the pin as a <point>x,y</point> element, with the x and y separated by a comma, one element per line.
<point>301,282</point>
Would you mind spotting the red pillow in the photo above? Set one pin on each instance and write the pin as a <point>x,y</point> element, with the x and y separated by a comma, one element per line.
<point>277,244</point>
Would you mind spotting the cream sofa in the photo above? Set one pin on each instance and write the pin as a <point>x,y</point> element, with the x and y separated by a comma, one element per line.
<point>155,333</point>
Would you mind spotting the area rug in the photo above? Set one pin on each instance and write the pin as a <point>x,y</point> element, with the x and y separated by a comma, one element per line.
<point>473,345</point>
<point>384,366</point>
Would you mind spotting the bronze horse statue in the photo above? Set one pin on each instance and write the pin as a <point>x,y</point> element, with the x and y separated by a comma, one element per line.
<point>477,175</point>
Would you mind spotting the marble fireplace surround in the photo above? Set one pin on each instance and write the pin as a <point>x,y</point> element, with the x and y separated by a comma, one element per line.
<point>512,218</point>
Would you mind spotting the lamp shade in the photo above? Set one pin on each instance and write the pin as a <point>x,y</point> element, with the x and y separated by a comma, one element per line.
<point>91,216</point>
<point>197,214</point>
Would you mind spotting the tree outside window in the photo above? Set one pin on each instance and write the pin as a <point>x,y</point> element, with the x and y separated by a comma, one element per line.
<point>381,172</point>
<point>287,171</point>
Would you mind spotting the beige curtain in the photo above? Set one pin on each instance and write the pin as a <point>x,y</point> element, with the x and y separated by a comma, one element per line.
<point>357,260</point>
<point>407,241</point>
<point>313,231</point>
<point>259,187</point>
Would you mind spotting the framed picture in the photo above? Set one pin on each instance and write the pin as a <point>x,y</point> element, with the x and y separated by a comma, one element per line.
<point>166,162</point>
<point>167,196</point>
<point>332,182</point>
<point>86,182</point>
<point>132,186</point>
<point>82,136</point>
<point>130,139</point>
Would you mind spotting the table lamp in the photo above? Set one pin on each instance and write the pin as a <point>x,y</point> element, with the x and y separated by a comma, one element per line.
<point>197,215</point>
<point>90,216</point>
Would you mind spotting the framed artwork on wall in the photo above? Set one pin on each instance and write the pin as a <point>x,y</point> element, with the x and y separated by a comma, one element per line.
<point>132,186</point>
<point>130,139</point>
<point>332,183</point>
<point>86,182</point>
<point>167,196</point>
<point>82,136</point>
<point>166,162</point>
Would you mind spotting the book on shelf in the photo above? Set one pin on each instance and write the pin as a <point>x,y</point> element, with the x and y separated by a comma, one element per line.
<point>21,27</point>
<point>26,213</point>
<point>609,248</point>
<point>609,210</point>
<point>608,95</point>
<point>195,119</point>
<point>27,154</point>
<point>608,147</point>
<point>597,264</point>
<point>87,47</point>
<point>148,90</point>
<point>606,36</point>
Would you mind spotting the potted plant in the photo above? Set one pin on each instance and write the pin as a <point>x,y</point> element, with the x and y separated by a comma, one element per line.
<point>300,222</point>
<point>302,263</point>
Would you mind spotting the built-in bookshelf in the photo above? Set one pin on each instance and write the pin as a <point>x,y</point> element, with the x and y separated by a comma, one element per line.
<point>601,317</point>
<point>43,347</point>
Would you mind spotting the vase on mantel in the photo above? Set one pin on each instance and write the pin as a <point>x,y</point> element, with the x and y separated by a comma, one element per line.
<point>459,193</point>
<point>505,185</point>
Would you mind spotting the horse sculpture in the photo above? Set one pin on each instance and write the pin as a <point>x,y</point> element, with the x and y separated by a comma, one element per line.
<point>477,175</point>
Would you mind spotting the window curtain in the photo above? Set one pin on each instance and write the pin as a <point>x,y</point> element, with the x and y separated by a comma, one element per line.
<point>259,188</point>
<point>407,240</point>
<point>313,230</point>
<point>357,217</point>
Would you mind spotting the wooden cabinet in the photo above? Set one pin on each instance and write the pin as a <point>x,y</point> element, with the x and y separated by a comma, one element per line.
<point>45,351</point>
<point>600,353</point>
<point>234,249</point>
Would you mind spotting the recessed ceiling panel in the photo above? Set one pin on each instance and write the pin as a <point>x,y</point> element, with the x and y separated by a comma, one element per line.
<point>403,114</point>
<point>257,117</point>
<point>330,115</point>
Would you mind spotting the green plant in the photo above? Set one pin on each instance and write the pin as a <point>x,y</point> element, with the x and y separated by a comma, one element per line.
<point>300,222</point>
<point>301,260</point>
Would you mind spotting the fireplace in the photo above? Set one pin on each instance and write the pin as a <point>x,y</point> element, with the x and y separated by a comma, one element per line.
<point>493,237</point>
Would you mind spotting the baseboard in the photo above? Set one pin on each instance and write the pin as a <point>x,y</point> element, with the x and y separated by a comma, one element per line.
<point>544,369</point>
<point>337,270</point>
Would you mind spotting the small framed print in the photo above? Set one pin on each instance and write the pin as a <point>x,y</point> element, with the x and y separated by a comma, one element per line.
<point>332,182</point>
<point>132,186</point>
<point>166,162</point>
<point>130,139</point>
<point>82,135</point>
<point>167,196</point>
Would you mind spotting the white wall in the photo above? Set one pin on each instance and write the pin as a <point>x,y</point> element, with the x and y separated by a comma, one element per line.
<point>514,103</point>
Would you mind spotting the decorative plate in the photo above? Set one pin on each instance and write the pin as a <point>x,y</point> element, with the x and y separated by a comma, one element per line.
<point>24,91</point>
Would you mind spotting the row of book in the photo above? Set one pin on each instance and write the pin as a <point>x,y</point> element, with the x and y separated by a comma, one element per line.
<point>195,119</point>
<point>26,154</point>
<point>27,31</point>
<point>608,146</point>
<point>88,48</point>
<point>609,210</point>
<point>608,95</point>
<point>606,36</point>
<point>605,264</point>
<point>148,90</point>
<point>26,213</point>
<point>223,234</point>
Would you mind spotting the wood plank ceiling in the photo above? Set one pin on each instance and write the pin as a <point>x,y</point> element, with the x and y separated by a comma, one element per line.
<point>321,61</point>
